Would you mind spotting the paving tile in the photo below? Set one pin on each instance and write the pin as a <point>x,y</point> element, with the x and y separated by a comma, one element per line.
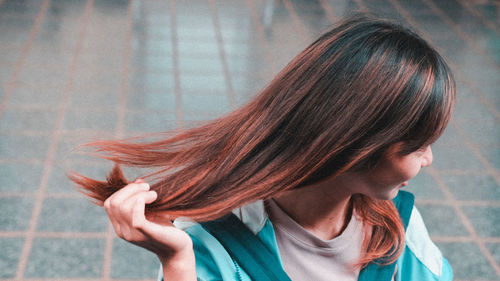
<point>450,137</point>
<point>455,158</point>
<point>203,84</point>
<point>19,146</point>
<point>151,99</point>
<point>494,249</point>
<point>423,186</point>
<point>154,62</point>
<point>14,36</point>
<point>6,71</point>
<point>69,148</point>
<point>193,118</point>
<point>20,177</point>
<point>467,261</point>
<point>33,95</point>
<point>482,132</point>
<point>472,186</point>
<point>492,154</point>
<point>9,51</point>
<point>151,80</point>
<point>20,8</point>
<point>30,120</point>
<point>48,77</point>
<point>442,221</point>
<point>16,213</point>
<point>201,65</point>
<point>150,122</point>
<point>471,108</point>
<point>144,264</point>
<point>9,256</point>
<point>60,183</point>
<point>161,30</point>
<point>94,98</point>
<point>246,61</point>
<point>150,96</point>
<point>90,120</point>
<point>206,49</point>
<point>71,215</point>
<point>65,258</point>
<point>484,219</point>
<point>200,102</point>
<point>193,33</point>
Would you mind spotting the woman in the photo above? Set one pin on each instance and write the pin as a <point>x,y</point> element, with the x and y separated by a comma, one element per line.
<point>309,166</point>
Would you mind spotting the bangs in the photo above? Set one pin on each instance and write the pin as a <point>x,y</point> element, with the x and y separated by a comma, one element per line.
<point>436,113</point>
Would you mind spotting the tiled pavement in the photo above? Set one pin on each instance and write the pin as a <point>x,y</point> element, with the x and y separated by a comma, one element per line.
<point>77,70</point>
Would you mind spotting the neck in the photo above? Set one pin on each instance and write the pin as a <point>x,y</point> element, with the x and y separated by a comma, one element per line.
<point>324,208</point>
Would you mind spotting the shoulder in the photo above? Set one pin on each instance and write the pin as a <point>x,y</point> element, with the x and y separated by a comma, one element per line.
<point>421,257</point>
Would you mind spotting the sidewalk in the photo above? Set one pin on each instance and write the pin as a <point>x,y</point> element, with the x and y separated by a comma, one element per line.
<point>73,71</point>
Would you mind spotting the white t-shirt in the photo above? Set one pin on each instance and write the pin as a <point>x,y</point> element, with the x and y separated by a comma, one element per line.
<point>306,257</point>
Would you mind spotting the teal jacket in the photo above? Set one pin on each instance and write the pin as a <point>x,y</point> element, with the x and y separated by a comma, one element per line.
<point>421,260</point>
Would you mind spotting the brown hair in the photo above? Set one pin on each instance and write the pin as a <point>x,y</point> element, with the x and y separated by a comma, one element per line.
<point>338,105</point>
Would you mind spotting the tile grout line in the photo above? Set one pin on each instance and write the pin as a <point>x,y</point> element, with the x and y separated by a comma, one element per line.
<point>460,75</point>
<point>491,171</point>
<point>484,101</point>
<point>328,10</point>
<point>261,35</point>
<point>50,234</point>
<point>482,203</point>
<point>82,279</point>
<point>23,260</point>
<point>463,239</point>
<point>24,54</point>
<point>222,53</point>
<point>489,58</point>
<point>457,208</point>
<point>121,112</point>
<point>297,22</point>
<point>408,18</point>
<point>88,279</point>
<point>474,237</point>
<point>465,220</point>
<point>102,235</point>
<point>444,188</point>
<point>480,16</point>
<point>362,6</point>
<point>179,112</point>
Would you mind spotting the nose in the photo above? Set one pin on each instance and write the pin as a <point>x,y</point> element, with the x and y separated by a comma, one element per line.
<point>428,157</point>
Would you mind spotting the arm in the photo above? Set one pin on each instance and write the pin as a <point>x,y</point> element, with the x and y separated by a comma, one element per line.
<point>421,259</point>
<point>174,247</point>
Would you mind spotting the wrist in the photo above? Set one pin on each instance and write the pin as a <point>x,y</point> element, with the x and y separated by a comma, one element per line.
<point>180,259</point>
<point>180,266</point>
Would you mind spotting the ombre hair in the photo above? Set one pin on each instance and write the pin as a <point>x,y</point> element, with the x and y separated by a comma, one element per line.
<point>363,86</point>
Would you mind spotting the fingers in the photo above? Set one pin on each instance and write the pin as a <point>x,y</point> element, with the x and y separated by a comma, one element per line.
<point>124,193</point>
<point>138,217</point>
<point>119,206</point>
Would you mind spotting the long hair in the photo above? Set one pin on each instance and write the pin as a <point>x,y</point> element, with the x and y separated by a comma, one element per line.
<point>337,106</point>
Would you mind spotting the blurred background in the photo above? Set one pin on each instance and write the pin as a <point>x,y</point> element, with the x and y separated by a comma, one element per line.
<point>72,71</point>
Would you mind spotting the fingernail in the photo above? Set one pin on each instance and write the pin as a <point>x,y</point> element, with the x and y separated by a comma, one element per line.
<point>139,180</point>
<point>146,186</point>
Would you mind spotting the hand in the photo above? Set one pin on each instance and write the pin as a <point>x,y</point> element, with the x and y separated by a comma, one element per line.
<point>126,208</point>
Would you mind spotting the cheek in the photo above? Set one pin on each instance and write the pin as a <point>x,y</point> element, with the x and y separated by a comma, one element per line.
<point>408,169</point>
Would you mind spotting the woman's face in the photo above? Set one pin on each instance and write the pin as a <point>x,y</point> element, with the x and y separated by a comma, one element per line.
<point>393,172</point>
